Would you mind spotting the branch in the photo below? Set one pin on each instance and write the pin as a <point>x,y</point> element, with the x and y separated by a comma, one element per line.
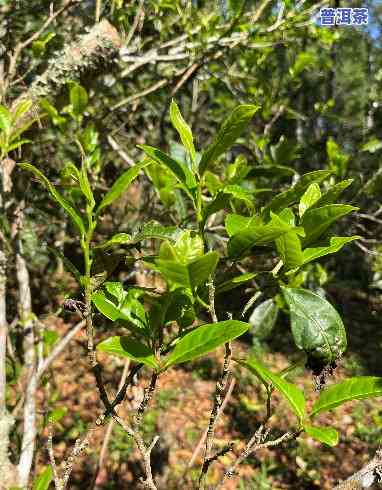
<point>59,347</point>
<point>22,45</point>
<point>366,477</point>
<point>84,54</point>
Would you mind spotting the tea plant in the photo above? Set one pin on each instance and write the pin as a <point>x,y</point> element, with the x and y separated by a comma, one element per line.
<point>293,229</point>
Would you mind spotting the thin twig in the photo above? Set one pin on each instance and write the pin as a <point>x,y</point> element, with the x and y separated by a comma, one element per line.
<point>109,429</point>
<point>137,17</point>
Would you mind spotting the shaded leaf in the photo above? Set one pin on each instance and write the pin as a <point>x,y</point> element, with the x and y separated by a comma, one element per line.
<point>121,184</point>
<point>263,318</point>
<point>180,170</point>
<point>316,221</point>
<point>234,282</point>
<point>56,196</point>
<point>316,326</point>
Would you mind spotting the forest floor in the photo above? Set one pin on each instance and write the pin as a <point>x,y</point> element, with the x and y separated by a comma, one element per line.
<point>180,410</point>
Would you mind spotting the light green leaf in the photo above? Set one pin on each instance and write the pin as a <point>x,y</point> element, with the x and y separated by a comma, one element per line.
<point>5,119</point>
<point>293,395</point>
<point>310,196</point>
<point>180,170</point>
<point>336,243</point>
<point>317,220</point>
<point>228,134</point>
<point>190,275</point>
<point>183,129</point>
<point>203,340</point>
<point>43,480</point>
<point>128,347</point>
<point>19,143</point>
<point>372,146</point>
<point>56,196</point>
<point>332,194</point>
<point>235,223</point>
<point>21,109</point>
<point>120,185</point>
<point>263,318</point>
<point>289,248</point>
<point>106,306</point>
<point>78,98</point>
<point>356,388</point>
<point>117,239</point>
<point>316,326</point>
<point>327,435</point>
<point>223,197</point>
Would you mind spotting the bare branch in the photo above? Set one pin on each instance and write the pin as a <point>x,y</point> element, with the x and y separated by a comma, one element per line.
<point>366,477</point>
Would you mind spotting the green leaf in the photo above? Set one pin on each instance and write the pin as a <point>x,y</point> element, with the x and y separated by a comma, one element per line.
<point>85,184</point>
<point>356,388</point>
<point>316,326</point>
<point>130,310</point>
<point>180,170</point>
<point>289,248</point>
<point>190,275</point>
<point>316,221</point>
<point>233,283</point>
<point>327,435</point>
<point>5,119</point>
<point>333,193</point>
<point>203,340</point>
<point>224,196</point>
<point>19,143</point>
<point>372,146</point>
<point>183,129</point>
<point>286,198</point>
<point>258,235</point>
<point>263,318</point>
<point>293,395</point>
<point>120,185</point>
<point>78,98</point>
<point>235,223</point>
<point>56,196</point>
<point>43,480</point>
<point>117,239</point>
<point>335,244</point>
<point>310,196</point>
<point>228,134</point>
<point>271,171</point>
<point>130,348</point>
<point>21,109</point>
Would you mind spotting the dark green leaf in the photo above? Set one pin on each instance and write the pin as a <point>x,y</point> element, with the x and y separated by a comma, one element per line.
<point>204,339</point>
<point>233,283</point>
<point>316,221</point>
<point>130,348</point>
<point>263,318</point>
<point>316,326</point>
<point>180,170</point>
<point>356,388</point>
<point>121,184</point>
<point>228,134</point>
